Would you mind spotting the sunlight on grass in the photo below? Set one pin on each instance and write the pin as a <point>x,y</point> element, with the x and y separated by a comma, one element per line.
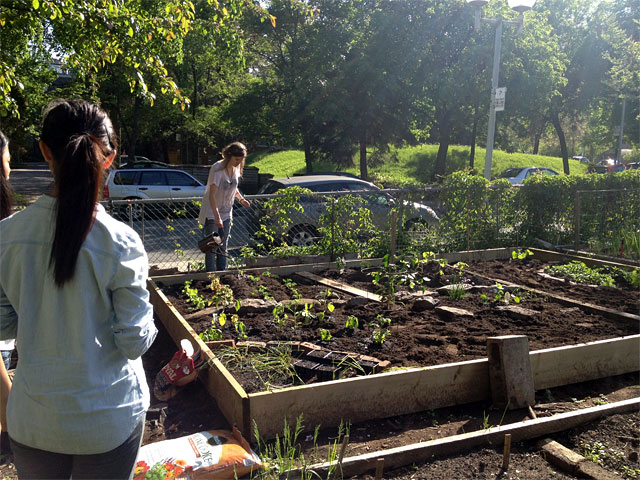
<point>408,166</point>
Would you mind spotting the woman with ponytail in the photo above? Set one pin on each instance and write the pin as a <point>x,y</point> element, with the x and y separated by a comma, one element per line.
<point>73,293</point>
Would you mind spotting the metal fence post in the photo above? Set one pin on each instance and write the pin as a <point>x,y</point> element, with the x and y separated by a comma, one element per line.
<point>394,232</point>
<point>333,227</point>
<point>576,223</point>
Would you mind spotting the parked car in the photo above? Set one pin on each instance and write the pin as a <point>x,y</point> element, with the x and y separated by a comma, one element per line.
<point>518,175</point>
<point>140,162</point>
<point>153,184</point>
<point>632,166</point>
<point>581,158</point>
<point>305,226</point>
<point>608,165</point>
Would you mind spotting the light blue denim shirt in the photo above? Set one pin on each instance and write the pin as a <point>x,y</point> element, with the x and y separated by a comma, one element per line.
<point>80,387</point>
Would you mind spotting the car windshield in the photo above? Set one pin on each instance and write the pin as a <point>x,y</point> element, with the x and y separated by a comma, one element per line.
<point>269,188</point>
<point>511,172</point>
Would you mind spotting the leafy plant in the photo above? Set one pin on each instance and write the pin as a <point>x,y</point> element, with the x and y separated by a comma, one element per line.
<point>379,335</point>
<point>580,273</point>
<point>351,323</point>
<point>214,332</point>
<point>197,301</point>
<point>222,295</point>
<point>520,254</point>
<point>381,329</point>
<point>239,326</point>
<point>263,292</point>
<point>291,285</point>
<point>594,452</point>
<point>325,335</point>
<point>502,296</point>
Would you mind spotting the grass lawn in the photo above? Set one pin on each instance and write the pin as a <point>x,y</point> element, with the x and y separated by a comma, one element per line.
<point>408,165</point>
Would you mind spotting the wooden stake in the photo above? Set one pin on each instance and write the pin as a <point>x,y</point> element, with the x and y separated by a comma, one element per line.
<point>507,452</point>
<point>379,468</point>
<point>532,414</point>
<point>343,448</point>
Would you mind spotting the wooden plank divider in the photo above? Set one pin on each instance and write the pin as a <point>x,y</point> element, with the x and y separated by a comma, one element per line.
<point>519,431</point>
<point>590,307</point>
<point>340,286</point>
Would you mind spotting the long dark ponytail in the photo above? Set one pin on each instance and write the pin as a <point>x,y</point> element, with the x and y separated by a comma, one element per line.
<point>80,137</point>
<point>6,194</point>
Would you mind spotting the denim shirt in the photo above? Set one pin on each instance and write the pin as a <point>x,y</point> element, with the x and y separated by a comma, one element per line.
<point>79,387</point>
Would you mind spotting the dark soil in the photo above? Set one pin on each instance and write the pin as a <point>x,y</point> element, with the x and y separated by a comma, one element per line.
<point>426,338</point>
<point>417,335</point>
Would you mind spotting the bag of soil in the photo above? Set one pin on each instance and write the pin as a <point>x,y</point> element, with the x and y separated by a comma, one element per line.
<point>204,455</point>
<point>181,370</point>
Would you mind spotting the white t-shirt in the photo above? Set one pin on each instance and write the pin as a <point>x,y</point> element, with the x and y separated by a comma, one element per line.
<point>225,194</point>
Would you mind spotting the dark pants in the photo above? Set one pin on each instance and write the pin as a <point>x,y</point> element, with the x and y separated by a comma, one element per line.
<point>217,261</point>
<point>118,463</point>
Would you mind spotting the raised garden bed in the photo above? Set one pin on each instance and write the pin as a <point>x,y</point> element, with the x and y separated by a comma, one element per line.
<point>425,339</point>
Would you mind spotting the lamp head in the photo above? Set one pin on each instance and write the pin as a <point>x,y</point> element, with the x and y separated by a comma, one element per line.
<point>478,3</point>
<point>521,6</point>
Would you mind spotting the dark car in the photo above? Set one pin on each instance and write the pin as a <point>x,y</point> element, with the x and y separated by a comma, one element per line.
<point>305,226</point>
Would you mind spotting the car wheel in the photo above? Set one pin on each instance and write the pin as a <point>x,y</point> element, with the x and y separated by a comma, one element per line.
<point>417,228</point>
<point>302,236</point>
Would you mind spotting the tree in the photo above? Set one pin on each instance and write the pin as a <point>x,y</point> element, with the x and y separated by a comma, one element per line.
<point>87,35</point>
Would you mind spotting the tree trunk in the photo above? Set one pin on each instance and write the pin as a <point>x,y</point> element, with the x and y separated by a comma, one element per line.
<point>194,95</point>
<point>445,133</point>
<point>307,154</point>
<point>135,128</point>
<point>364,173</point>
<point>441,160</point>
<point>555,120</point>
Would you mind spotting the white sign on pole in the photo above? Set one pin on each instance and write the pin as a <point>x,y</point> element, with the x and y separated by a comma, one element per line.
<point>499,98</point>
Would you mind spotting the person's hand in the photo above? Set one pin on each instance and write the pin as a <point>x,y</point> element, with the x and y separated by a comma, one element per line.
<point>245,203</point>
<point>218,222</point>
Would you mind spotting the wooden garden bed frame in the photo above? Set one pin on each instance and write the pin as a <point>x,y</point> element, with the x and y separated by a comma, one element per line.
<point>397,392</point>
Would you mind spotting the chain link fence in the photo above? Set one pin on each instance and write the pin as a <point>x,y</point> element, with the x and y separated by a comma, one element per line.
<point>374,223</point>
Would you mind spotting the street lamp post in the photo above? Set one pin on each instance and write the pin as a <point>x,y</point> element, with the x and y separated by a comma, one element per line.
<point>519,6</point>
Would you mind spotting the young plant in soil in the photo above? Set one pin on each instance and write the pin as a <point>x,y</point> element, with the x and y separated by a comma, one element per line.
<point>222,295</point>
<point>351,323</point>
<point>284,453</point>
<point>520,254</point>
<point>214,332</point>
<point>381,329</point>
<point>272,366</point>
<point>580,273</point>
<point>502,296</point>
<point>197,301</point>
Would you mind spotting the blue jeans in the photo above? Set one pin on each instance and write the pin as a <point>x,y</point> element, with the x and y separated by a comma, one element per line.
<point>217,261</point>
<point>116,464</point>
<point>6,358</point>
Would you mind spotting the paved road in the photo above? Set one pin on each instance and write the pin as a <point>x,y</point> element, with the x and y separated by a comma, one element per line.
<point>32,181</point>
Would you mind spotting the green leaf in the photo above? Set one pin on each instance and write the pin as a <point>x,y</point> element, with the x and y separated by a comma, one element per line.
<point>131,32</point>
<point>36,4</point>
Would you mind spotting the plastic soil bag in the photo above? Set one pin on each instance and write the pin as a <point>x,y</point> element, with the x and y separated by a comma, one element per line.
<point>181,370</point>
<point>205,455</point>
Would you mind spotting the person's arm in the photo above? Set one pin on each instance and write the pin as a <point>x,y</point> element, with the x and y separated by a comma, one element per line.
<point>133,330</point>
<point>5,388</point>
<point>213,188</point>
<point>243,201</point>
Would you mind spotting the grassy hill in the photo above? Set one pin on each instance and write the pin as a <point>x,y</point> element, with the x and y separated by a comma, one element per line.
<point>408,165</point>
